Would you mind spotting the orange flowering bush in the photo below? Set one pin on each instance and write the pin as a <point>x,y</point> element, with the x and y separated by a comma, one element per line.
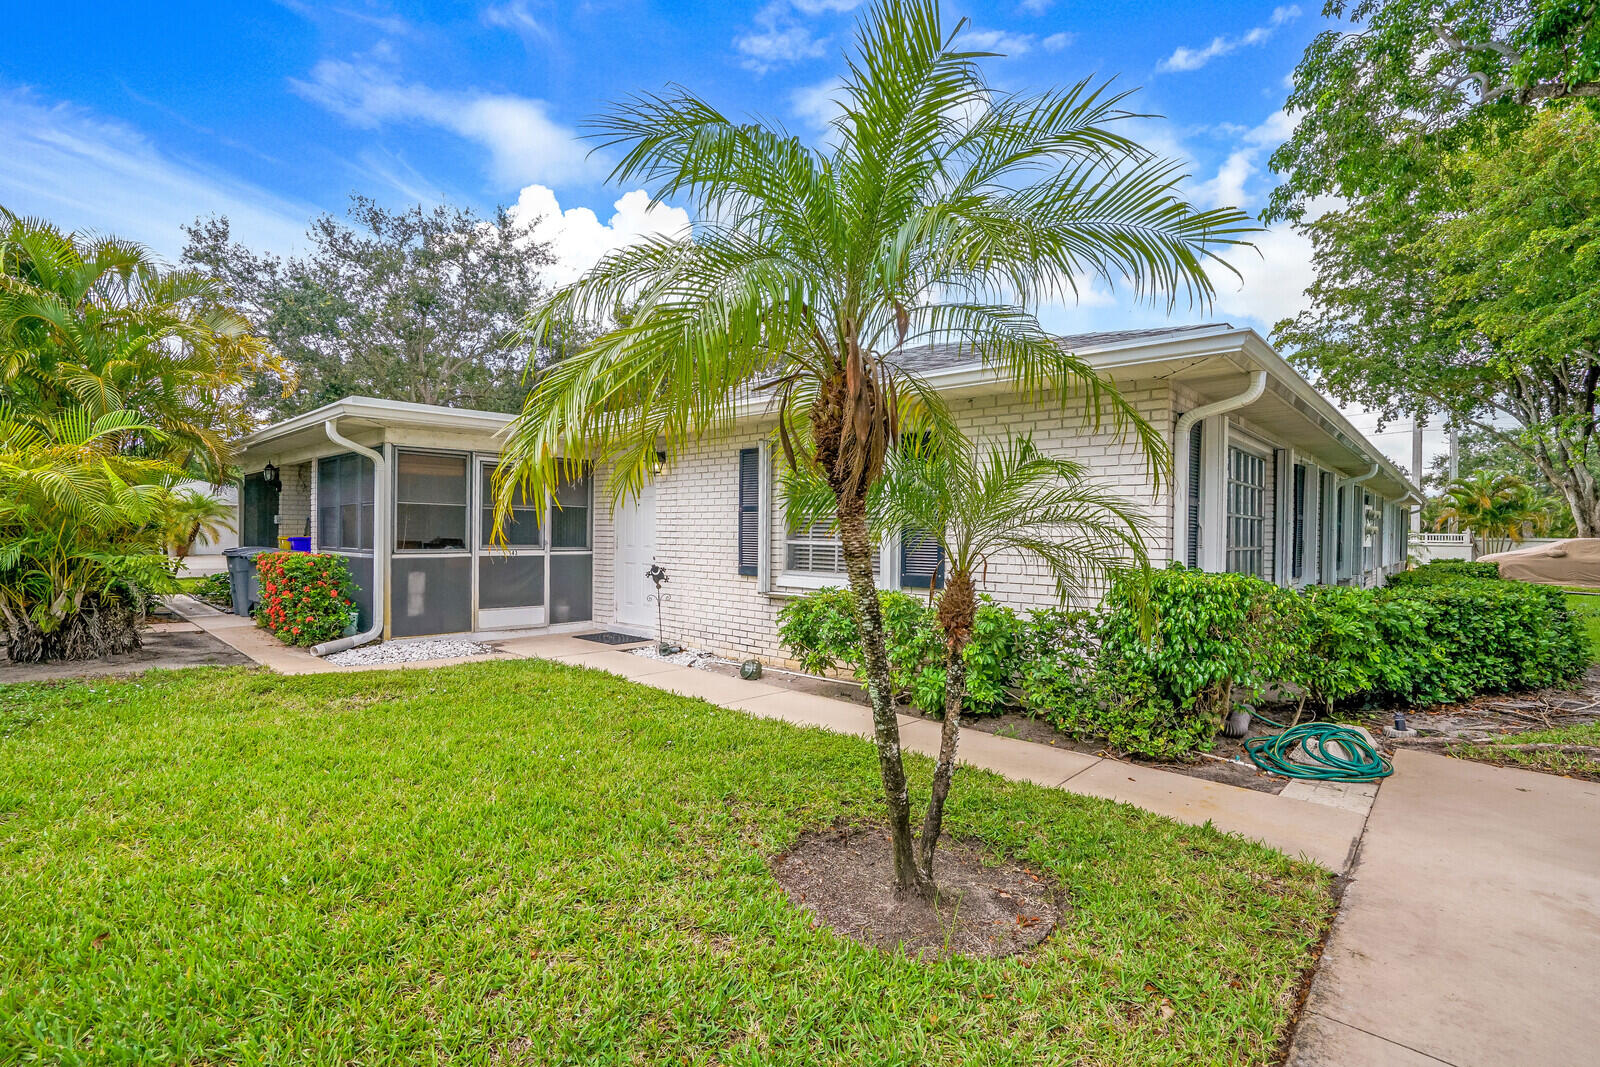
<point>305,598</point>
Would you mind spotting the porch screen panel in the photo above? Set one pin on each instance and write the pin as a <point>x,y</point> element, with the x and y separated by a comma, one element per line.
<point>1247,497</point>
<point>506,581</point>
<point>431,595</point>
<point>430,502</point>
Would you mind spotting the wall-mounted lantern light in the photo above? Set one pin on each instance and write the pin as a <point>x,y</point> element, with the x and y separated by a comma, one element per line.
<point>269,474</point>
<point>661,462</point>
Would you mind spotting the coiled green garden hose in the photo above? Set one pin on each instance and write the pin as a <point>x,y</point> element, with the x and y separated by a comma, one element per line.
<point>1333,753</point>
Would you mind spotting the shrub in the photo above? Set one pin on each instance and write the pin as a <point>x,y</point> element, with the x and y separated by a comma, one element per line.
<point>1453,640</point>
<point>214,589</point>
<point>305,598</point>
<point>1338,647</point>
<point>820,631</point>
<point>1056,651</point>
<point>1215,637</point>
<point>1445,571</point>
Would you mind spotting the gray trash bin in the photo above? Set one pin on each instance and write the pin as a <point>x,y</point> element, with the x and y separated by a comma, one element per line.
<point>242,580</point>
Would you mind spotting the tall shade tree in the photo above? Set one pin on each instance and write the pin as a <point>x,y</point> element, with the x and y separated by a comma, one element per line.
<point>942,211</point>
<point>1379,101</point>
<point>977,503</point>
<point>1480,313</point>
<point>97,325</point>
<point>416,305</point>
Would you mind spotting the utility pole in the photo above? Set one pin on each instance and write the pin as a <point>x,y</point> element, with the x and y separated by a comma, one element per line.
<point>1416,471</point>
<point>1455,454</point>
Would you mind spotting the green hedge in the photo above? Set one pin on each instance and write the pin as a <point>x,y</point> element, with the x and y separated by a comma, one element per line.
<point>1155,671</point>
<point>1445,572</point>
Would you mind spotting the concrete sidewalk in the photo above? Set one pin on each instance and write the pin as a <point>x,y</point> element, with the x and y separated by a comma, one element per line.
<point>1321,833</point>
<point>1470,930</point>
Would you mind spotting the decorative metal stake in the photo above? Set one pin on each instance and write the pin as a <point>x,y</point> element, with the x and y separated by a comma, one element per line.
<point>658,574</point>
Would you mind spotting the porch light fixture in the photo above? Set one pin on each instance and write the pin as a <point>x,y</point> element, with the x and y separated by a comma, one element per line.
<point>661,462</point>
<point>269,474</point>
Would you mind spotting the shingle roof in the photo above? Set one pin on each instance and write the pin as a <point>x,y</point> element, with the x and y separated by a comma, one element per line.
<point>944,357</point>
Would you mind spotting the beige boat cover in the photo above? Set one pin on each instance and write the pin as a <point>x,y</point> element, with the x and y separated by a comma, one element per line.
<point>1574,561</point>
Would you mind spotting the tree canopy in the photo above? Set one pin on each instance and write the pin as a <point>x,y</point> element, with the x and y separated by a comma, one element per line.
<point>418,305</point>
<point>1380,103</point>
<point>1484,313</point>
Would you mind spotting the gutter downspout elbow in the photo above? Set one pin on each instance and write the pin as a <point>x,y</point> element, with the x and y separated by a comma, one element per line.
<point>380,512</point>
<point>1252,393</point>
<point>1180,449</point>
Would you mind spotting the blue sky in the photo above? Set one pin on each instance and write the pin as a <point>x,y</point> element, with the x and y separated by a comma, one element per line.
<point>273,112</point>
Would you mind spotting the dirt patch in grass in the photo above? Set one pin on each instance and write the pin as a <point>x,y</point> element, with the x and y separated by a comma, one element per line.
<point>986,908</point>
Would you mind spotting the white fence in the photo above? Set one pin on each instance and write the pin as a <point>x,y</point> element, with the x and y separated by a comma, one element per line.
<point>1428,547</point>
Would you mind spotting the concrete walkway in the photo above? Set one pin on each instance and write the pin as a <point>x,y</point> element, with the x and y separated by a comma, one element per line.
<point>1322,833</point>
<point>1470,931</point>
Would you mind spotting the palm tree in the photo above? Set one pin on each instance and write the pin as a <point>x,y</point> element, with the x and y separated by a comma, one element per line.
<point>1011,500</point>
<point>941,211</point>
<point>79,538</point>
<point>1495,506</point>
<point>188,514</point>
<point>97,324</point>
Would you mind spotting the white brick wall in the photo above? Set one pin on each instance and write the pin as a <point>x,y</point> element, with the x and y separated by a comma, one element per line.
<point>714,608</point>
<point>295,504</point>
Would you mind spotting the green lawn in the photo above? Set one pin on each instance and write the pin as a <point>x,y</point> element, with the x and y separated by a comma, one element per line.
<point>1543,759</point>
<point>1587,608</point>
<point>527,862</point>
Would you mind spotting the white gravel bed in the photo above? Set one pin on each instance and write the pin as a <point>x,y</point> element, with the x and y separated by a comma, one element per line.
<point>407,652</point>
<point>689,657</point>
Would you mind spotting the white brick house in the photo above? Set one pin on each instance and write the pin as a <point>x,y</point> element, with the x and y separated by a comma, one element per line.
<point>1268,479</point>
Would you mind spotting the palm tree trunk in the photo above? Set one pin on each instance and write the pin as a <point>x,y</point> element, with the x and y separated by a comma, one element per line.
<point>957,613</point>
<point>857,547</point>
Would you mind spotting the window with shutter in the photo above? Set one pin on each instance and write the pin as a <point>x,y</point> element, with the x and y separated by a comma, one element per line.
<point>1298,563</point>
<point>749,511</point>
<point>921,561</point>
<point>1192,557</point>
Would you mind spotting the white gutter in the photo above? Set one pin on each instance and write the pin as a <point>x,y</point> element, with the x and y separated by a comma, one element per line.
<point>1180,450</point>
<point>380,541</point>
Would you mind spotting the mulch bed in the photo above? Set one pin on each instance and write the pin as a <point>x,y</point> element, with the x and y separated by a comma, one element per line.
<point>987,907</point>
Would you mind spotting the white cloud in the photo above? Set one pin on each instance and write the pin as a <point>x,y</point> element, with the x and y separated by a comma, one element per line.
<point>1185,58</point>
<point>1003,41</point>
<point>779,39</point>
<point>817,105</point>
<point>524,143</point>
<point>1035,7</point>
<point>516,17</point>
<point>577,236</point>
<point>1057,41</point>
<point>84,172</point>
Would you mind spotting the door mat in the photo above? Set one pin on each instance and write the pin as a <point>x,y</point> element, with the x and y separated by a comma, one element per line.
<point>611,637</point>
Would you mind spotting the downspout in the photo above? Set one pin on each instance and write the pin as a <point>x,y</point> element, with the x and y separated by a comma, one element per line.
<point>380,540</point>
<point>1358,506</point>
<point>1180,445</point>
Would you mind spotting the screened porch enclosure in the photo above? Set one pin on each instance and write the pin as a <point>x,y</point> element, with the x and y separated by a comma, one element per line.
<point>451,574</point>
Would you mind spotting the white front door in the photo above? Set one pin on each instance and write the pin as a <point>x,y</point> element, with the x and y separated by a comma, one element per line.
<point>636,551</point>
